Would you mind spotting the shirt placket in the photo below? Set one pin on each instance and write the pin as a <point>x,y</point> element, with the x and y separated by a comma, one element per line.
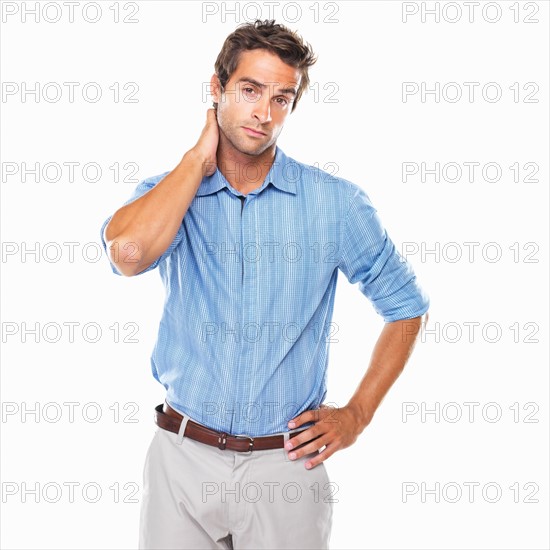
<point>248,285</point>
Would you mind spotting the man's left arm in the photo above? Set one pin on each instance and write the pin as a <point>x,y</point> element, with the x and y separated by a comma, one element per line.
<point>338,428</point>
<point>368,257</point>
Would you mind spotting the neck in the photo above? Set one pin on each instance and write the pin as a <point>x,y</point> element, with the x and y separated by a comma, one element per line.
<point>244,172</point>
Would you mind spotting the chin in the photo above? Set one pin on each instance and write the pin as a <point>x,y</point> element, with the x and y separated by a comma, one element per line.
<point>249,148</point>
<point>245,146</point>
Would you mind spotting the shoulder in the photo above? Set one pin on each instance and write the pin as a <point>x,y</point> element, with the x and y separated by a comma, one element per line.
<point>326,181</point>
<point>145,185</point>
<point>151,181</point>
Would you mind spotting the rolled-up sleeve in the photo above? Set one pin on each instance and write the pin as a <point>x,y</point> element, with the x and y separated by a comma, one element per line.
<point>369,257</point>
<point>142,188</point>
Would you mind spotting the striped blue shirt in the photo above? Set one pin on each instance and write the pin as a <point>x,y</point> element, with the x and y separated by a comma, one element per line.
<point>250,280</point>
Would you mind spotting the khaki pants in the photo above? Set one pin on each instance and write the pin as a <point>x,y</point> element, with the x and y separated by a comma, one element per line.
<point>198,496</point>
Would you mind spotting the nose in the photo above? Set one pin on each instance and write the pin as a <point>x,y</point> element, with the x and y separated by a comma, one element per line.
<point>262,109</point>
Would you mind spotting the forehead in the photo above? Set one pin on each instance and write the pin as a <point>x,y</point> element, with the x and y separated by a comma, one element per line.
<point>265,66</point>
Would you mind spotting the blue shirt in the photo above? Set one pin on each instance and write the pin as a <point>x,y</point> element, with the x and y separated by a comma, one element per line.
<point>243,341</point>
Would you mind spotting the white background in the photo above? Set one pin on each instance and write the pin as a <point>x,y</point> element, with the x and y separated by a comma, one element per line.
<point>367,132</point>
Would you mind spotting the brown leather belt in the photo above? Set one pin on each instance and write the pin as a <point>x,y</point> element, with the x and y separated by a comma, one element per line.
<point>169,419</point>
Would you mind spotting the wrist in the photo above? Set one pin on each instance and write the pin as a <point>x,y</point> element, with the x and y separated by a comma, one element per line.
<point>196,159</point>
<point>362,413</point>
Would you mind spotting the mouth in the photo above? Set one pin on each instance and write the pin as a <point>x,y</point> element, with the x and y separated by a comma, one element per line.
<point>252,132</point>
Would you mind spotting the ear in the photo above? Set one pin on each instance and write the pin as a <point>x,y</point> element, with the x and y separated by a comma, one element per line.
<point>215,88</point>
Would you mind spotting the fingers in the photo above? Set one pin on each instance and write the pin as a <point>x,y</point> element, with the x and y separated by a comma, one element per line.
<point>312,446</point>
<point>308,436</point>
<point>321,457</point>
<point>307,416</point>
<point>210,115</point>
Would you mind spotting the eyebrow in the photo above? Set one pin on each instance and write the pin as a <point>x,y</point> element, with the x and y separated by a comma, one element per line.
<point>259,85</point>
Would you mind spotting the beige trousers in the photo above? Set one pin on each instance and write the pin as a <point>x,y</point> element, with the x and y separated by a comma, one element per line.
<point>198,496</point>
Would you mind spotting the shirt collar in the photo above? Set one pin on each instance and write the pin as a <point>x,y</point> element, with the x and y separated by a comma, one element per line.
<point>282,175</point>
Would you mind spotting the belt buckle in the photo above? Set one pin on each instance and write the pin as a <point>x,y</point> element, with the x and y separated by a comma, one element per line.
<point>250,444</point>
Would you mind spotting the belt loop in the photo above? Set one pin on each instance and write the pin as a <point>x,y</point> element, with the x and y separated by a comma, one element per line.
<point>181,431</point>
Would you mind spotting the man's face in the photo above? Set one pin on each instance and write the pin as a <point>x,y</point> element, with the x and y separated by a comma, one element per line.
<point>259,96</point>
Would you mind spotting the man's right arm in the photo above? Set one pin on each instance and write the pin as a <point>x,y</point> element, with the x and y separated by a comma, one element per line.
<point>141,231</point>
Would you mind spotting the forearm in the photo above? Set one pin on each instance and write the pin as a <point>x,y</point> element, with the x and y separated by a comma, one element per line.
<point>141,231</point>
<point>391,352</point>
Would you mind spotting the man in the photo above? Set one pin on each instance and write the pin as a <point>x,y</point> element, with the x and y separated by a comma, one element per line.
<point>248,242</point>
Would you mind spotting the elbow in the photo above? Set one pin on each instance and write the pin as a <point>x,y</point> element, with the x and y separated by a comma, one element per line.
<point>425,318</point>
<point>125,269</point>
<point>125,254</point>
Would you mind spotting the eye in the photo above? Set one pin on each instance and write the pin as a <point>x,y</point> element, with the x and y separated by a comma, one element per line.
<point>284,101</point>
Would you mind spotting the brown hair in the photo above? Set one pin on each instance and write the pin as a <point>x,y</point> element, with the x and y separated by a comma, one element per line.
<point>270,36</point>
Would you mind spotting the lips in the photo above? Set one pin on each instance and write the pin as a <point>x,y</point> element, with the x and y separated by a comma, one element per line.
<point>256,132</point>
